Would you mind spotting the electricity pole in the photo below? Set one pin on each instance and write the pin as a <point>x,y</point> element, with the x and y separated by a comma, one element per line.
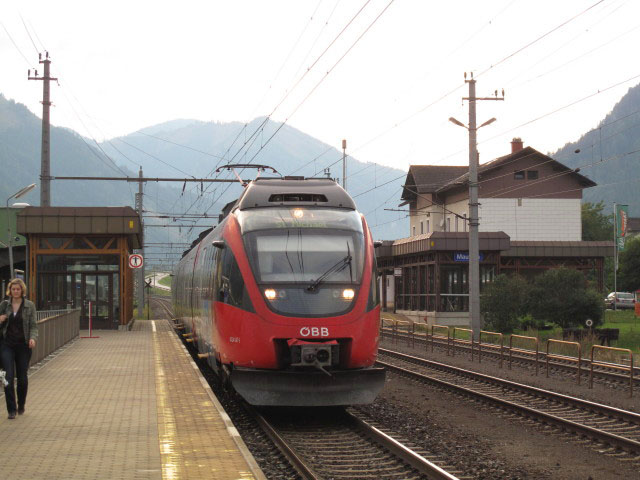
<point>141,283</point>
<point>344,164</point>
<point>474,220</point>
<point>45,161</point>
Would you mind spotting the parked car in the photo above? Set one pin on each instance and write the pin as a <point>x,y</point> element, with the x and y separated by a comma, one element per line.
<point>621,299</point>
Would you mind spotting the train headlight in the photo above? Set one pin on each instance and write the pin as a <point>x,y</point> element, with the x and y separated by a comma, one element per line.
<point>348,294</point>
<point>270,294</point>
<point>297,213</point>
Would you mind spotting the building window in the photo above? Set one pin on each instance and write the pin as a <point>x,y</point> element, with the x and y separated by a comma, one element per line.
<point>428,226</point>
<point>448,224</point>
<point>456,224</point>
<point>421,228</point>
<point>532,174</point>
<point>414,230</point>
<point>465,222</point>
<point>518,175</point>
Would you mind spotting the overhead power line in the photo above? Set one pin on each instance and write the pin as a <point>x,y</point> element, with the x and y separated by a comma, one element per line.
<point>16,45</point>
<point>521,49</point>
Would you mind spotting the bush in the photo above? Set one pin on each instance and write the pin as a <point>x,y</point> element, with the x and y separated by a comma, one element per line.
<point>527,322</point>
<point>560,296</point>
<point>503,301</point>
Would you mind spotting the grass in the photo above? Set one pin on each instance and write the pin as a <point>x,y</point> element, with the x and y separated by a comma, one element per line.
<point>629,326</point>
<point>159,291</point>
<point>624,320</point>
<point>166,281</point>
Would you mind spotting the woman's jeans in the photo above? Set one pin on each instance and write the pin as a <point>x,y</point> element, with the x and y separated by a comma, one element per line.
<point>15,361</point>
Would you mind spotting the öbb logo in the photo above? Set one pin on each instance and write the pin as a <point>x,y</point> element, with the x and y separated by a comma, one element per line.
<point>314,331</point>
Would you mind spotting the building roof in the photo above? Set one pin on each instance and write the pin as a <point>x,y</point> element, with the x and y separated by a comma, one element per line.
<point>546,248</point>
<point>525,152</point>
<point>81,220</point>
<point>449,241</point>
<point>423,179</point>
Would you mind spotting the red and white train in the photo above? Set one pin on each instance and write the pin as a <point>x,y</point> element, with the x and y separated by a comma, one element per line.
<point>282,296</point>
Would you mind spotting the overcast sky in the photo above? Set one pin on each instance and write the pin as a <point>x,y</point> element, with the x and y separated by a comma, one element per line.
<point>125,65</point>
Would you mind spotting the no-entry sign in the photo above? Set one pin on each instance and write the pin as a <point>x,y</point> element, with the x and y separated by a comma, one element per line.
<point>135,261</point>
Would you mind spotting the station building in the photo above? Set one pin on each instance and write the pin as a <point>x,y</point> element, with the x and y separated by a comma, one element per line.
<point>530,221</point>
<point>78,256</point>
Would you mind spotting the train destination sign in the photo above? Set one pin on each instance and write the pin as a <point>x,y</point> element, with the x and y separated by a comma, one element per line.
<point>135,261</point>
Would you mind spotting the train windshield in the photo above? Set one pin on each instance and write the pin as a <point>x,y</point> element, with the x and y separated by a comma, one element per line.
<point>304,246</point>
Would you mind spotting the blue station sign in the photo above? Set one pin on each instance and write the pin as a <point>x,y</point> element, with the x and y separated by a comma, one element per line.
<point>464,257</point>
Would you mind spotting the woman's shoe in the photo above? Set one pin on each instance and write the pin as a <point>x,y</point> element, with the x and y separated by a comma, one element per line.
<point>12,415</point>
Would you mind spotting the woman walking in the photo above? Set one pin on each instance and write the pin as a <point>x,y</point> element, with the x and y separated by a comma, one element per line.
<point>19,334</point>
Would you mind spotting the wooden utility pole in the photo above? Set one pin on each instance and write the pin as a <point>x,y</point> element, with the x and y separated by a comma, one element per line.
<point>45,158</point>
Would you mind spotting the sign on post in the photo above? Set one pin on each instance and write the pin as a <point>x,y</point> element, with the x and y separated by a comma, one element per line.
<point>135,261</point>
<point>622,223</point>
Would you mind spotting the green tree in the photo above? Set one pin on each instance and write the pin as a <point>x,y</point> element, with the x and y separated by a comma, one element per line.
<point>503,301</point>
<point>560,296</point>
<point>629,266</point>
<point>595,224</point>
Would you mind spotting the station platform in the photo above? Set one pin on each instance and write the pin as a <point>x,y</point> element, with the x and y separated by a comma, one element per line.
<point>126,405</point>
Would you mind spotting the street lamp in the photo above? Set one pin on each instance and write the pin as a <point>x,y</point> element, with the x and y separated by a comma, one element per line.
<point>460,124</point>
<point>17,195</point>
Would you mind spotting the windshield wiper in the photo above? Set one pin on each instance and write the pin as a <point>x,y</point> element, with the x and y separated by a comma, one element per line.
<point>338,267</point>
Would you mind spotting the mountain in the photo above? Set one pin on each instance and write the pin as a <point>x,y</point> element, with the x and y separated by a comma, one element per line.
<point>183,148</point>
<point>191,147</point>
<point>71,155</point>
<point>610,155</point>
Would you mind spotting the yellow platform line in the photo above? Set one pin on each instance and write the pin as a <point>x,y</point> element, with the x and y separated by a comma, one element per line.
<point>171,459</point>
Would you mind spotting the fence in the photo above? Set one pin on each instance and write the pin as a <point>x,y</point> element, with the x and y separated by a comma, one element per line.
<point>555,349</point>
<point>619,366</point>
<point>55,329</point>
<point>512,348</point>
<point>490,345</point>
<point>577,359</point>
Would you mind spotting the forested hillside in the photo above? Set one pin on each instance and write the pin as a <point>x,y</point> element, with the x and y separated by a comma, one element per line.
<point>610,155</point>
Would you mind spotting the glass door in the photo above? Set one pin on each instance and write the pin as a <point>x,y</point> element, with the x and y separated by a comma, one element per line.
<point>97,294</point>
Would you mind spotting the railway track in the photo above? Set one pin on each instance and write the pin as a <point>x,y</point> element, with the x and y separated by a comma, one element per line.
<point>340,444</point>
<point>569,367</point>
<point>614,431</point>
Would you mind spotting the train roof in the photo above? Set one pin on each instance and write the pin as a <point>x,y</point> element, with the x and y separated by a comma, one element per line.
<point>274,192</point>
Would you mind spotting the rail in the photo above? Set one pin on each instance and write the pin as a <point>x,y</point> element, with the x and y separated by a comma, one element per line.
<point>566,358</point>
<point>616,366</point>
<point>55,329</point>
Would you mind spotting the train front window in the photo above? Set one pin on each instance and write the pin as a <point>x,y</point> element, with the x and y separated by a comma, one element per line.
<point>305,255</point>
<point>307,262</point>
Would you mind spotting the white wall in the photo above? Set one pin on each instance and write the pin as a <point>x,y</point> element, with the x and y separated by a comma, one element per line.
<point>532,218</point>
<point>426,212</point>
